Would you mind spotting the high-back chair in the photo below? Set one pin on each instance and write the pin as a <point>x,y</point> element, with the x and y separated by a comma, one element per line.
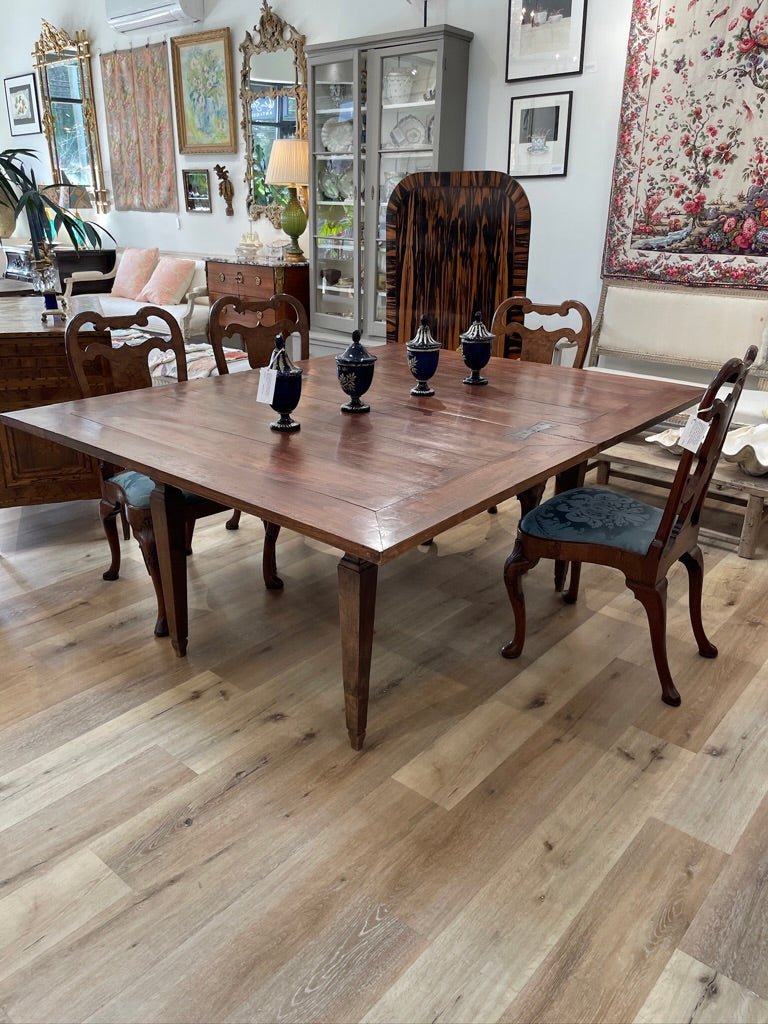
<point>539,344</point>
<point>257,322</point>
<point>605,527</point>
<point>100,368</point>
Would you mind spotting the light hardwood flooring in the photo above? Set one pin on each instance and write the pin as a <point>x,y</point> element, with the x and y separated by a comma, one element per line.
<point>193,840</point>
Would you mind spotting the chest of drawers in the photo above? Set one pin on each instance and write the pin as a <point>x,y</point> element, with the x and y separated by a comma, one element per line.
<point>257,281</point>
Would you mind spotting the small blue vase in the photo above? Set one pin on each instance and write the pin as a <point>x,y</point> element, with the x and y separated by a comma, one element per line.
<point>354,368</point>
<point>287,387</point>
<point>423,355</point>
<point>475,346</point>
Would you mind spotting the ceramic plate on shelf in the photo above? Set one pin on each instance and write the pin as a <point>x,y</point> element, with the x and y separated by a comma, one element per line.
<point>337,136</point>
<point>346,185</point>
<point>328,184</point>
<point>409,131</point>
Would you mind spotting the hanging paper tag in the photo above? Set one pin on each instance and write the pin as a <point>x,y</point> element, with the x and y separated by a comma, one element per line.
<point>267,381</point>
<point>693,433</point>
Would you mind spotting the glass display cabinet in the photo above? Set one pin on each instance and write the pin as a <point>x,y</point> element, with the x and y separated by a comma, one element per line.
<point>380,108</point>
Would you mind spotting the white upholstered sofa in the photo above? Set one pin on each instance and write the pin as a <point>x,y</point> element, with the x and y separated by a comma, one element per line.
<point>191,311</point>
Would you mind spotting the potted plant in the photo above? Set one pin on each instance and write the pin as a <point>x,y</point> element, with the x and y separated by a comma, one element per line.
<point>19,192</point>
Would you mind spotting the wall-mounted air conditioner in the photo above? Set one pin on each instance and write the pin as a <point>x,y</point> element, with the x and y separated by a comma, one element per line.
<point>145,15</point>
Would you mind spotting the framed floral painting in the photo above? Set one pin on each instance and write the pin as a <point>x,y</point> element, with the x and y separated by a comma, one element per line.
<point>203,92</point>
<point>689,201</point>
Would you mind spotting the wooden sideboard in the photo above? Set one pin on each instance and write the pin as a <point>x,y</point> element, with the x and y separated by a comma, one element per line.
<point>258,281</point>
<point>34,371</point>
<point>66,260</point>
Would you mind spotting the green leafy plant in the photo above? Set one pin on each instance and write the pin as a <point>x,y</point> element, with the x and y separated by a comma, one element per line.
<point>19,191</point>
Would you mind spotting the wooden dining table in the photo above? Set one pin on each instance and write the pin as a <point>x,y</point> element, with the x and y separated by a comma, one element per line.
<point>373,485</point>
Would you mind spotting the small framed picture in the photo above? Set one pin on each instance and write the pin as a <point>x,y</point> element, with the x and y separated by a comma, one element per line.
<point>23,109</point>
<point>545,38</point>
<point>197,191</point>
<point>539,127</point>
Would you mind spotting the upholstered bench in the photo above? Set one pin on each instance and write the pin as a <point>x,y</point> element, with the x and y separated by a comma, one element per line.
<point>684,333</point>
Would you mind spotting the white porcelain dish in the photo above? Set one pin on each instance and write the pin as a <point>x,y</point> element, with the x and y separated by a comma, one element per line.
<point>337,136</point>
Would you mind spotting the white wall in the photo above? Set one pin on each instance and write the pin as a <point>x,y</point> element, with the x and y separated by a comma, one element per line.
<point>569,213</point>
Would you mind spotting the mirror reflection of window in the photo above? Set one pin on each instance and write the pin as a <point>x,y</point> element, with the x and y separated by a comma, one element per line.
<point>69,122</point>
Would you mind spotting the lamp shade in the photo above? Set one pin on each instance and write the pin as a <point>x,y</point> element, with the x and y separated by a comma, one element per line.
<point>288,163</point>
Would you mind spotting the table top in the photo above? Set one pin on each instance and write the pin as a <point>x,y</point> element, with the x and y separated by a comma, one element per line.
<point>373,485</point>
<point>21,314</point>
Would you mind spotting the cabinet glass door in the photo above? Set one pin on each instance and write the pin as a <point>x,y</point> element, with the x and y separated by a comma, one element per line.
<point>338,154</point>
<point>405,143</point>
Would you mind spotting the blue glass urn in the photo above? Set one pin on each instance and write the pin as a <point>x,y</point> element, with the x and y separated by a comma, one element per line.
<point>354,368</point>
<point>475,346</point>
<point>287,387</point>
<point>423,353</point>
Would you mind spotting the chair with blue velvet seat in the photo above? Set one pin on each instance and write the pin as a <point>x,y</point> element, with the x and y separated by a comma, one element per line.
<point>606,527</point>
<point>101,368</point>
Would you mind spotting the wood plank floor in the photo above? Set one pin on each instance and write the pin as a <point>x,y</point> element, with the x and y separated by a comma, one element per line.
<point>194,840</point>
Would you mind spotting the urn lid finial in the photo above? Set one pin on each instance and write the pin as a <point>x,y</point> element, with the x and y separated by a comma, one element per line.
<point>477,331</point>
<point>423,341</point>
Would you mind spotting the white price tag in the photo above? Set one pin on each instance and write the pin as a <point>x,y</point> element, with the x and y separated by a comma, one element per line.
<point>693,433</point>
<point>267,381</point>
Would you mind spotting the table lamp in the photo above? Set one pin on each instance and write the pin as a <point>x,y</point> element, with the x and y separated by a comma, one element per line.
<point>289,165</point>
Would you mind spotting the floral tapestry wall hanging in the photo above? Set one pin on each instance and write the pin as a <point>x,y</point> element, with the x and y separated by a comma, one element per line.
<point>689,202</point>
<point>137,100</point>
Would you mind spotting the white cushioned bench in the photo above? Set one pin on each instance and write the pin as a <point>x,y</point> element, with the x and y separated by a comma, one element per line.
<point>682,333</point>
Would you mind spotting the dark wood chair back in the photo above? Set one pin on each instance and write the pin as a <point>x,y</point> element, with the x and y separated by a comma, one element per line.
<point>231,315</point>
<point>457,241</point>
<point>538,344</point>
<point>99,368</point>
<point>695,469</point>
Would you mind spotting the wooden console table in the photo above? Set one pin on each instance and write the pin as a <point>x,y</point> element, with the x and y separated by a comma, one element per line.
<point>33,372</point>
<point>258,281</point>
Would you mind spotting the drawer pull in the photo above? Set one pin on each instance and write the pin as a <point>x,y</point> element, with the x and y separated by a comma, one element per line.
<point>257,280</point>
<point>239,277</point>
<point>222,278</point>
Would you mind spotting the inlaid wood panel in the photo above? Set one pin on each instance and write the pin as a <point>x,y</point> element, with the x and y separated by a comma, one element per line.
<point>457,241</point>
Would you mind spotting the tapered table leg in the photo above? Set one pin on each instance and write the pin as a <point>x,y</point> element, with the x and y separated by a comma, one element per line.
<point>169,522</point>
<point>357,607</point>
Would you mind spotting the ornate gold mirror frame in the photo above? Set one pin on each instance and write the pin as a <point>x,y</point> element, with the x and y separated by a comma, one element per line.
<point>63,67</point>
<point>271,36</point>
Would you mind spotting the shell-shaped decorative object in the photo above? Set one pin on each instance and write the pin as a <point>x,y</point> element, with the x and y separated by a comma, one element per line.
<point>667,440</point>
<point>748,447</point>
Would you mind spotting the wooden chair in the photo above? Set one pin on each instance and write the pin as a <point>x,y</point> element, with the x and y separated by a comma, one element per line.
<point>100,369</point>
<point>605,527</point>
<point>539,344</point>
<point>230,316</point>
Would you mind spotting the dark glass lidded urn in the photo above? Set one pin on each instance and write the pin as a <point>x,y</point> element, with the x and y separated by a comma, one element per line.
<point>287,387</point>
<point>423,354</point>
<point>355,372</point>
<point>475,346</point>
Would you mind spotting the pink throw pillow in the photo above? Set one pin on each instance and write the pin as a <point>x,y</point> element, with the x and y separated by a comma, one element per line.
<point>133,271</point>
<point>169,283</point>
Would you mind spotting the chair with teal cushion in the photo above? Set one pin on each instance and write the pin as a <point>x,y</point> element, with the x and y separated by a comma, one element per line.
<point>101,368</point>
<point>605,527</point>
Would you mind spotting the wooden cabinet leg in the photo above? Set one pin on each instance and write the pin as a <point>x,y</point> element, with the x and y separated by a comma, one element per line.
<point>169,522</point>
<point>357,607</point>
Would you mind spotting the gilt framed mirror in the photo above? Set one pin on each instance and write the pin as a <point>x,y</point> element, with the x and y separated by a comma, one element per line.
<point>63,68</point>
<point>273,94</point>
